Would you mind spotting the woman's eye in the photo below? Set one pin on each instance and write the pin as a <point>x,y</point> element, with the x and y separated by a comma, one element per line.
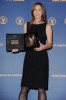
<point>34,9</point>
<point>37,9</point>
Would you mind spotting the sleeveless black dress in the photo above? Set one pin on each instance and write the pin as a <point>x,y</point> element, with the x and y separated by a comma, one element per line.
<point>35,69</point>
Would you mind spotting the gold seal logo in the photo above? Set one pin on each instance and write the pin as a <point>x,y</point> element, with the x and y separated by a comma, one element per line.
<point>65,20</point>
<point>58,0</point>
<point>52,21</point>
<point>3,20</point>
<point>1,44</point>
<point>19,20</point>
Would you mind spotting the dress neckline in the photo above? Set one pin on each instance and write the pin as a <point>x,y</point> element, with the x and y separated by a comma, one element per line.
<point>39,24</point>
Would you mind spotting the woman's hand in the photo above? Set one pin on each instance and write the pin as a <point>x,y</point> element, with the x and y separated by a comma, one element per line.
<point>15,50</point>
<point>40,48</point>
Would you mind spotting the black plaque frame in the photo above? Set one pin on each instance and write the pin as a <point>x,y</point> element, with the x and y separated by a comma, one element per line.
<point>14,41</point>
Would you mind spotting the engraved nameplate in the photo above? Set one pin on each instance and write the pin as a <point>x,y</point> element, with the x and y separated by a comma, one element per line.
<point>14,42</point>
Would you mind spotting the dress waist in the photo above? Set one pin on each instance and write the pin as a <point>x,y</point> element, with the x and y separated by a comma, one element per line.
<point>36,52</point>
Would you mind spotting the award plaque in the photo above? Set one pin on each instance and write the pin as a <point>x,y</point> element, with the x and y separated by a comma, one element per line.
<point>22,42</point>
<point>14,41</point>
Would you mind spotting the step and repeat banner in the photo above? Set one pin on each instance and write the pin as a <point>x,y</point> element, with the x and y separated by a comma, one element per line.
<point>13,14</point>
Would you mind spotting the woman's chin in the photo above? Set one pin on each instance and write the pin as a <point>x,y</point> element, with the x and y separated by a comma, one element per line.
<point>37,17</point>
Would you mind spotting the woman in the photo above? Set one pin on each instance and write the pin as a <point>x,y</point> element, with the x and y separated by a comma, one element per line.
<point>35,69</point>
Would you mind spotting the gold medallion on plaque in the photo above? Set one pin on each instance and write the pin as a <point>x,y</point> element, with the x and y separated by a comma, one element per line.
<point>3,20</point>
<point>30,40</point>
<point>52,21</point>
<point>19,20</point>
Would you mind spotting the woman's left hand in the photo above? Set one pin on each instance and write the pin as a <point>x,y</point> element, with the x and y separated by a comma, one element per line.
<point>40,48</point>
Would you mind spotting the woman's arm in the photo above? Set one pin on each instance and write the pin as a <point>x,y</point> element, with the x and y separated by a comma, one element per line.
<point>25,28</point>
<point>49,36</point>
<point>49,39</point>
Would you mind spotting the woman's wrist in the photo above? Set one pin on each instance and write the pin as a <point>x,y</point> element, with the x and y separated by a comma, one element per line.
<point>44,47</point>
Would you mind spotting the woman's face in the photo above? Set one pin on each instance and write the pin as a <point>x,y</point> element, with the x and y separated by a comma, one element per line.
<point>37,12</point>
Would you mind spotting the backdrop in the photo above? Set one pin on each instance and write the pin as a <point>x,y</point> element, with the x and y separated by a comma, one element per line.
<point>13,14</point>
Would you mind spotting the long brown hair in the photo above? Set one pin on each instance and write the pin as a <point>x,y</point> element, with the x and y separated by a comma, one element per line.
<point>43,18</point>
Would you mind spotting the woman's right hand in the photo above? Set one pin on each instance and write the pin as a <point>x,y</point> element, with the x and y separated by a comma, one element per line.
<point>15,50</point>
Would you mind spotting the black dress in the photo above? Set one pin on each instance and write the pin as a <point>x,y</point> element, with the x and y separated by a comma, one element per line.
<point>35,69</point>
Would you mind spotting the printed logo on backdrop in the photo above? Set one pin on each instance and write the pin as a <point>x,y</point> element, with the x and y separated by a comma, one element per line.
<point>52,21</point>
<point>3,20</point>
<point>1,44</point>
<point>19,20</point>
<point>58,0</point>
<point>65,20</point>
<point>13,0</point>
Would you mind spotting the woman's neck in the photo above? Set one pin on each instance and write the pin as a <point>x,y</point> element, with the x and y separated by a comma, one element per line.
<point>37,21</point>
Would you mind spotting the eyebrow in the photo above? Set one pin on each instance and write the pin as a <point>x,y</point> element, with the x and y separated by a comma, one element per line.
<point>38,8</point>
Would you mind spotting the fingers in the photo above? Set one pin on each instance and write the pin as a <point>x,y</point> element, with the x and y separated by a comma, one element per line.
<point>39,42</point>
<point>40,48</point>
<point>15,50</point>
<point>37,49</point>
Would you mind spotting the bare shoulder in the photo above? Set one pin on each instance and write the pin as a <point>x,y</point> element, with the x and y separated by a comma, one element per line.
<point>25,27</point>
<point>25,24</point>
<point>48,29</point>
